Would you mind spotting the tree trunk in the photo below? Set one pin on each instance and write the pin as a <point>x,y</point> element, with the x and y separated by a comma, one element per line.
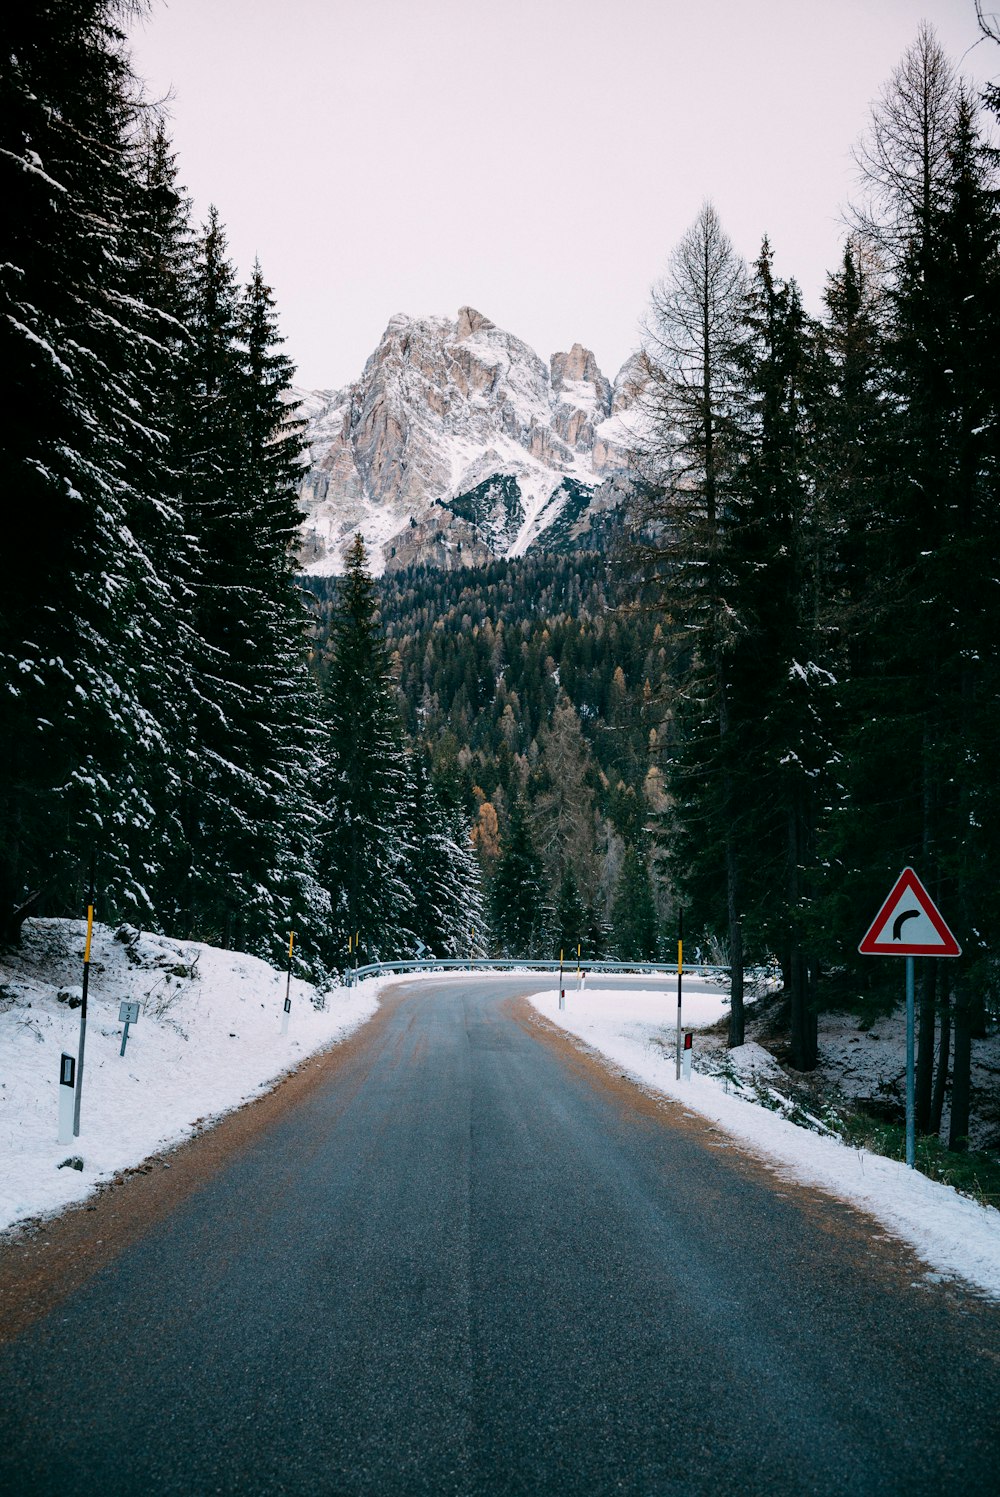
<point>802,1009</point>
<point>969,1019</point>
<point>925,1048</point>
<point>10,930</point>
<point>736,1015</point>
<point>941,1079</point>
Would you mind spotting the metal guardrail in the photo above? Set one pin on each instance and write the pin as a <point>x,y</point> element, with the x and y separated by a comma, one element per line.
<point>477,964</point>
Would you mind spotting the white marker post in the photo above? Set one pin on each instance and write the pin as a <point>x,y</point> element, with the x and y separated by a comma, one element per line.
<point>909,924</point>
<point>128,1013</point>
<point>287,1008</point>
<point>67,1083</point>
<point>562,990</point>
<point>688,1051</point>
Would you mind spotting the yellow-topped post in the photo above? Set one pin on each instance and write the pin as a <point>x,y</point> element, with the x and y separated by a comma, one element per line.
<point>77,1100</point>
<point>288,986</point>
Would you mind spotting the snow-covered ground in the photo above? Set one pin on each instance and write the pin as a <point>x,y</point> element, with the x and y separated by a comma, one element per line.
<point>634,1029</point>
<point>208,1039</point>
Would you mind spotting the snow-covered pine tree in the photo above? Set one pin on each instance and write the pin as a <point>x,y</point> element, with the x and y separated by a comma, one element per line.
<point>364,846</point>
<point>80,625</point>
<point>248,826</point>
<point>441,872</point>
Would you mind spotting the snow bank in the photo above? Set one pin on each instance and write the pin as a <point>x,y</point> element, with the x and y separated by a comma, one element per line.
<point>954,1235</point>
<point>208,1039</point>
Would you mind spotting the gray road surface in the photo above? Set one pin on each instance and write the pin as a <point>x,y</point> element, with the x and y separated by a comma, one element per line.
<point>470,1262</point>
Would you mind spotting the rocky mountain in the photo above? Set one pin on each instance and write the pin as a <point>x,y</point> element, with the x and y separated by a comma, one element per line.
<point>458,444</point>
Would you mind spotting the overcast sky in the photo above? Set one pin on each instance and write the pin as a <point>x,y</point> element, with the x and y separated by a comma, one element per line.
<point>536,159</point>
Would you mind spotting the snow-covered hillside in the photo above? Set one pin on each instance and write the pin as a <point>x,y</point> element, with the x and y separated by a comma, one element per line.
<point>208,1039</point>
<point>458,443</point>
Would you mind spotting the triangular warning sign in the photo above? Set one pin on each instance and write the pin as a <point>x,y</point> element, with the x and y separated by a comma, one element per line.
<point>909,924</point>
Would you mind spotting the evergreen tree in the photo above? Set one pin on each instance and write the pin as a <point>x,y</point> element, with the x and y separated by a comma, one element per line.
<point>516,898</point>
<point>634,924</point>
<point>252,726</point>
<point>365,851</point>
<point>571,929</point>
<point>777,672</point>
<point>442,874</point>
<point>81,628</point>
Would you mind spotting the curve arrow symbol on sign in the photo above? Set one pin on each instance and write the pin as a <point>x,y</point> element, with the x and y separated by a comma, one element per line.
<point>900,921</point>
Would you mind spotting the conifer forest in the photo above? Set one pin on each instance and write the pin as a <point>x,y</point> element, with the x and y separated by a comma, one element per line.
<point>772,683</point>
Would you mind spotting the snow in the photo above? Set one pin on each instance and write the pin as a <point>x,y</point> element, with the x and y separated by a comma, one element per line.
<point>208,1039</point>
<point>634,1030</point>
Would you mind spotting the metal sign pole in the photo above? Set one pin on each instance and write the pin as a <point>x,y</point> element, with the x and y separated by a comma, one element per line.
<point>911,1147</point>
<point>680,976</point>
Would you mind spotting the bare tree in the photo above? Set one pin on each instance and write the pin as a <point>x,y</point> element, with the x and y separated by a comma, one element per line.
<point>903,157</point>
<point>692,336</point>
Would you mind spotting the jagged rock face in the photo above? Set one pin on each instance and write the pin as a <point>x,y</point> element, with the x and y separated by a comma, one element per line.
<point>455,445</point>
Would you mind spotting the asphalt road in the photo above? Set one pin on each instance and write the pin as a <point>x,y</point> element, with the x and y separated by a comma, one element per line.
<point>471,1261</point>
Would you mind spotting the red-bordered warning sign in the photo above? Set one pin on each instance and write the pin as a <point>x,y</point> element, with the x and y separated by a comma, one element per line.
<point>909,924</point>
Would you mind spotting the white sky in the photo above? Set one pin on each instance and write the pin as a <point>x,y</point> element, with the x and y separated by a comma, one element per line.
<point>536,159</point>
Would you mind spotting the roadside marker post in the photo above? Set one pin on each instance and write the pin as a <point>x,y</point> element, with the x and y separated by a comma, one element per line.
<point>67,1084</point>
<point>688,1051</point>
<point>909,924</point>
<point>680,978</point>
<point>562,990</point>
<point>287,1006</point>
<point>78,1096</point>
<point>128,1013</point>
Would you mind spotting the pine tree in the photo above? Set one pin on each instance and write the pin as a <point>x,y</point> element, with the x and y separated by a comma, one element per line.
<point>364,851</point>
<point>441,871</point>
<point>634,924</point>
<point>571,929</point>
<point>778,676</point>
<point>516,898</point>
<point>81,630</point>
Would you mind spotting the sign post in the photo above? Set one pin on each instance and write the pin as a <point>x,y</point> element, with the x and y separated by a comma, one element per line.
<point>288,987</point>
<point>909,924</point>
<point>78,1098</point>
<point>680,976</point>
<point>128,1013</point>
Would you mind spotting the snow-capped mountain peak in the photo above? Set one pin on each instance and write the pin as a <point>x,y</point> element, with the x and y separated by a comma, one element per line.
<point>456,444</point>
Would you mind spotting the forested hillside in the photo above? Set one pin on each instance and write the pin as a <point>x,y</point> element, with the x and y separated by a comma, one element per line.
<point>529,681</point>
